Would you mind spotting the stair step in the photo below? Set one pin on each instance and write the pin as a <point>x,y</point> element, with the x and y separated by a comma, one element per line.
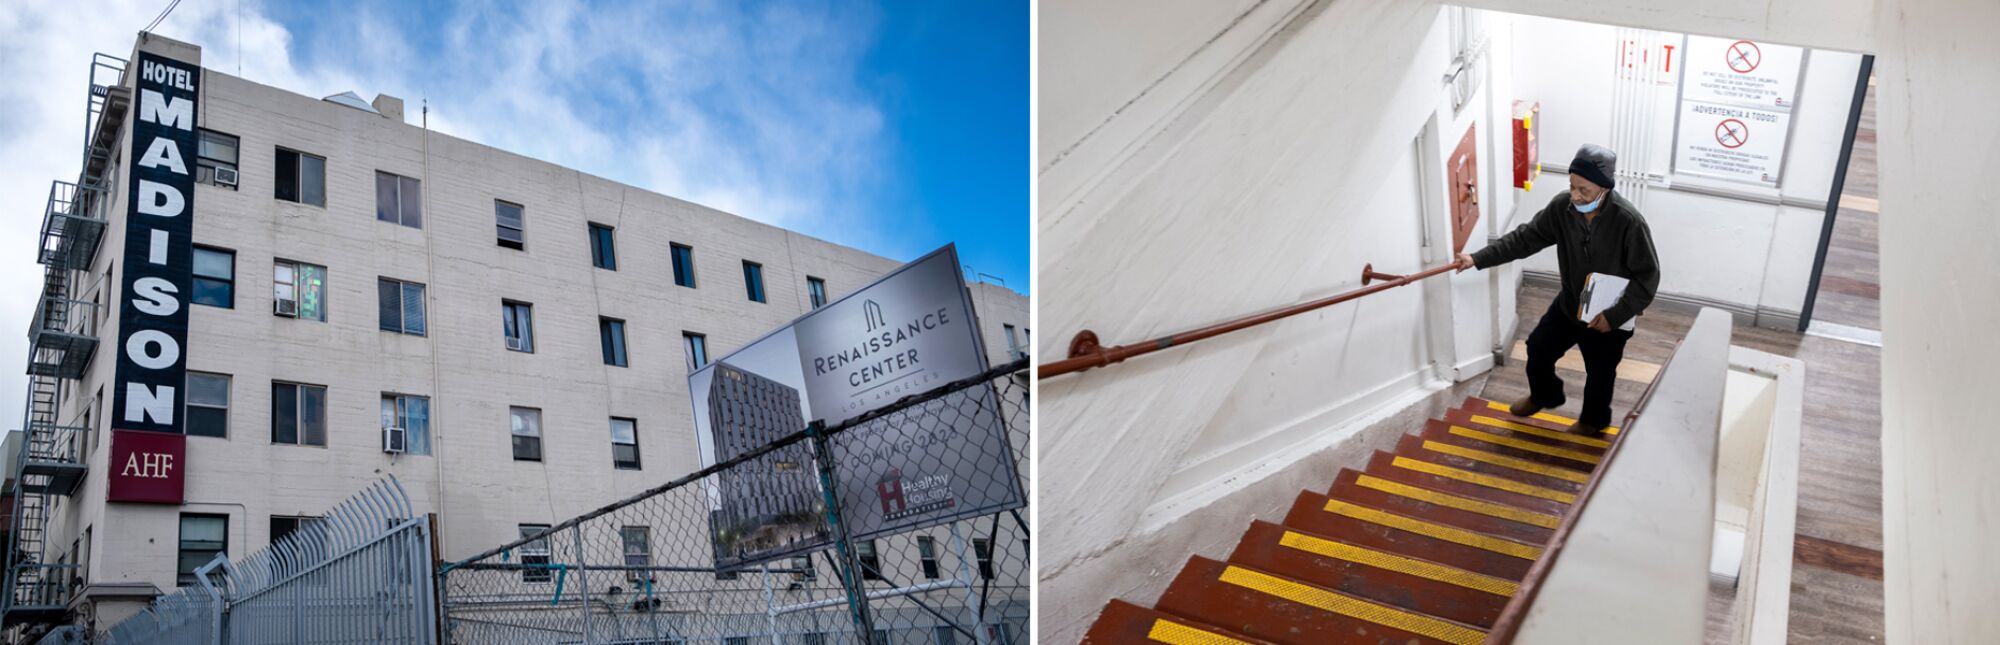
<point>1382,576</point>
<point>1123,622</point>
<point>1284,610</point>
<point>1542,419</point>
<point>1490,423</point>
<point>1415,470</point>
<point>1443,508</point>
<point>1363,526</point>
<point>1511,446</point>
<point>1493,463</point>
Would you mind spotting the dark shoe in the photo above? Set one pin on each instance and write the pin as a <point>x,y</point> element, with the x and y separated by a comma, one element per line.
<point>1524,408</point>
<point>1585,429</point>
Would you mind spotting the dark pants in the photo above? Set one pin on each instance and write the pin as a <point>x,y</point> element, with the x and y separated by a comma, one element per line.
<point>1553,336</point>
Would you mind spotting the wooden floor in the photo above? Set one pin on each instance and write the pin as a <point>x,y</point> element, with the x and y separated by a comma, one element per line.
<point>1836,580</point>
<point>1850,287</point>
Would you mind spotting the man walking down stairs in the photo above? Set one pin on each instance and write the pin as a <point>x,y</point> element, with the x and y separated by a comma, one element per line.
<point>1423,545</point>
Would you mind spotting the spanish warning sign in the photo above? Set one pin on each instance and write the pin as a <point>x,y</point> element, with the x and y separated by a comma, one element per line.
<point>1733,143</point>
<point>1736,109</point>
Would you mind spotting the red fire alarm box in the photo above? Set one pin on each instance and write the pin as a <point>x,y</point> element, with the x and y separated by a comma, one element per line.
<point>1527,144</point>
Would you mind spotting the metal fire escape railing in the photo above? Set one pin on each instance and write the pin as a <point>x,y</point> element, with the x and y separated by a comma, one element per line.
<point>62,338</point>
<point>1085,352</point>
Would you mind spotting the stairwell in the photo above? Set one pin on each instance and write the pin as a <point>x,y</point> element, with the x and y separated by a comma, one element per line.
<point>1423,545</point>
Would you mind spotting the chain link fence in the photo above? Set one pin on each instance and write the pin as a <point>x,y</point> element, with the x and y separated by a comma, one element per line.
<point>867,561</point>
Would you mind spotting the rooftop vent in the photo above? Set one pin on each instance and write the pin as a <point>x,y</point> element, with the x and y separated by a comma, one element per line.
<point>349,99</point>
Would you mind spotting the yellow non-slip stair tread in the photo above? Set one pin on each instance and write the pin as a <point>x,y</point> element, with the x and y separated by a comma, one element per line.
<point>1433,530</point>
<point>1557,418</point>
<point>1516,463</point>
<point>1352,607</point>
<point>1523,444</point>
<point>1172,633</point>
<point>1466,504</point>
<point>1400,564</point>
<point>1482,479</point>
<point>1541,432</point>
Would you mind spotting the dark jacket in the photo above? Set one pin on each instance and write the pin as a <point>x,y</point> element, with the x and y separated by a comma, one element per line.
<point>1616,243</point>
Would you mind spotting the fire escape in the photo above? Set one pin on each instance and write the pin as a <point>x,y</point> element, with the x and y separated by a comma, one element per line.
<point>62,337</point>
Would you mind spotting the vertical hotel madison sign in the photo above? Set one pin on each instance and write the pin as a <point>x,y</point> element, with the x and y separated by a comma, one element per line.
<point>908,333</point>
<point>147,440</point>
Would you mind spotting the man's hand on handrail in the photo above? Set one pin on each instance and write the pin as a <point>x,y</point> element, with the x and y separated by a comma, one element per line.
<point>1463,262</point>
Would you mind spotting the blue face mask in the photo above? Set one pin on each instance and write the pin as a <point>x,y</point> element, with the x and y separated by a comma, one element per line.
<point>1587,208</point>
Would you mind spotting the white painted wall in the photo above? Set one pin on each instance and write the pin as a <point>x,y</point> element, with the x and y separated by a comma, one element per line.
<point>1833,24</point>
<point>1273,180</point>
<point>1748,254</point>
<point>1938,85</point>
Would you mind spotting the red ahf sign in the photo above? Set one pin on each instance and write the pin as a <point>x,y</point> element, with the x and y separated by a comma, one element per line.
<point>146,467</point>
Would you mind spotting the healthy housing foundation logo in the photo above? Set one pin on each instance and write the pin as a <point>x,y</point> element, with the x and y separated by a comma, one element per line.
<point>906,498</point>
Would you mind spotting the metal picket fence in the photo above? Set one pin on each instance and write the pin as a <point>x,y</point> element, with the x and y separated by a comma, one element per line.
<point>645,569</point>
<point>360,574</point>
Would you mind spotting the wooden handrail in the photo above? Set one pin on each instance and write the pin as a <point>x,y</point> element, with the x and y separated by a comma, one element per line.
<point>1085,352</point>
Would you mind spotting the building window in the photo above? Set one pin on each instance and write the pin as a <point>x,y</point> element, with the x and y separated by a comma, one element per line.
<point>512,221</point>
<point>603,254</point>
<point>697,349</point>
<point>816,289</point>
<point>803,564</point>
<point>683,265</point>
<point>300,290</point>
<point>213,151</point>
<point>927,553</point>
<point>638,547</point>
<point>301,177</point>
<point>399,199</point>
<point>518,320</point>
<point>736,640</point>
<point>813,638</point>
<point>298,414</point>
<point>207,404</point>
<point>611,336</point>
<point>535,554</point>
<point>753,280</point>
<point>413,415</point>
<point>283,526</point>
<point>400,306</point>
<point>1015,350</point>
<point>527,423</point>
<point>202,538</point>
<point>945,634</point>
<point>982,549</point>
<point>871,563</point>
<point>214,277</point>
<point>624,443</point>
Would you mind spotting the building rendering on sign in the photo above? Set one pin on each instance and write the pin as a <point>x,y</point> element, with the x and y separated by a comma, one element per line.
<point>258,302</point>
<point>772,505</point>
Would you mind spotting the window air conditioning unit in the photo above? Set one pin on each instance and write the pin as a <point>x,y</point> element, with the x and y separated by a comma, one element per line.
<point>395,440</point>
<point>517,343</point>
<point>225,176</point>
<point>287,308</point>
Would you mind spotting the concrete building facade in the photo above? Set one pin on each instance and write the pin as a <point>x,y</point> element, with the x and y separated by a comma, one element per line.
<point>574,255</point>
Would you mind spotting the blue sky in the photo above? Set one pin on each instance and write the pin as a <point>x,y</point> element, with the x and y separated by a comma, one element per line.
<point>894,127</point>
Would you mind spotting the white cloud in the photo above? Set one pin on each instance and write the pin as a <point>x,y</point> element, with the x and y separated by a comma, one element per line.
<point>753,109</point>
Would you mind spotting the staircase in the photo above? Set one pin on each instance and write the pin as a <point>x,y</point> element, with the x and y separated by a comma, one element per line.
<point>1424,545</point>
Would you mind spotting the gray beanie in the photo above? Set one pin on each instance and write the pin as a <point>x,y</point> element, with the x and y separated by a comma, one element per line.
<point>1597,164</point>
